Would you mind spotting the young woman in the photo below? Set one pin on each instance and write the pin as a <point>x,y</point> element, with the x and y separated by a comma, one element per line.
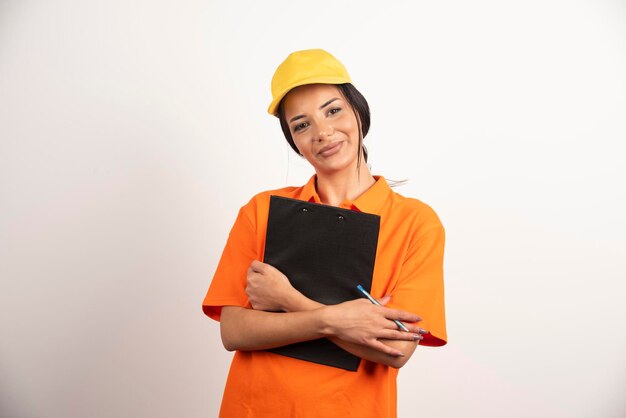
<point>324,119</point>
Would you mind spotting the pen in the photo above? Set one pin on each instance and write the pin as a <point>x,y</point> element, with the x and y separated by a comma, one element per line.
<point>375,302</point>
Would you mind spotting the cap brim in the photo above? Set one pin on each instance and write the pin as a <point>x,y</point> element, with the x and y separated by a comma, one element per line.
<point>273,108</point>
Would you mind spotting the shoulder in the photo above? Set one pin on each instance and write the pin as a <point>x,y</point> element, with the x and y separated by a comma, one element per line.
<point>420,216</point>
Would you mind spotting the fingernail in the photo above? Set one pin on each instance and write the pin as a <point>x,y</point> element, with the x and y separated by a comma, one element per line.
<point>423,331</point>
<point>399,354</point>
<point>417,337</point>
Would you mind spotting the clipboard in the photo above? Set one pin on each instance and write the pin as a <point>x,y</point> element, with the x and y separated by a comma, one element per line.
<point>325,251</point>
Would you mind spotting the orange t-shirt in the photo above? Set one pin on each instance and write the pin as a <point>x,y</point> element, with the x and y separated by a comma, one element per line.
<point>409,266</point>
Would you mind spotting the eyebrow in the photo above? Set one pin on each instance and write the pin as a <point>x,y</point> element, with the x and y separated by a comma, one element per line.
<point>321,107</point>
<point>328,102</point>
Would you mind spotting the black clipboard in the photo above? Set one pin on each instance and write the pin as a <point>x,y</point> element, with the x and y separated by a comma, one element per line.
<point>325,251</point>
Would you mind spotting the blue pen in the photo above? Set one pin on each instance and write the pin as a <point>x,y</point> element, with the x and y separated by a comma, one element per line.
<point>375,302</point>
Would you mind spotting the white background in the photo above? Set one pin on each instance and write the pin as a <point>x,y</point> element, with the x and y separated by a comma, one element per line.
<point>132,131</point>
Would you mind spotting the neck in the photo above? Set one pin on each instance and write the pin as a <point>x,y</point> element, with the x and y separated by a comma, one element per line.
<point>334,188</point>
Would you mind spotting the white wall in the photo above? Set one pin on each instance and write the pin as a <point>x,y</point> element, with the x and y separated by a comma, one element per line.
<point>131,132</point>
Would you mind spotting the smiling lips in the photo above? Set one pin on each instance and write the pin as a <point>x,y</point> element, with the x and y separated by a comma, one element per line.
<point>330,149</point>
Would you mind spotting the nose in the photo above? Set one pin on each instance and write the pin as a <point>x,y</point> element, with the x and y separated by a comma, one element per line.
<point>325,131</point>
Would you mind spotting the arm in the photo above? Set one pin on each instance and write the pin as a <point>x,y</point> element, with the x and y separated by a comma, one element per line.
<point>401,349</point>
<point>359,322</point>
<point>248,329</point>
<point>351,325</point>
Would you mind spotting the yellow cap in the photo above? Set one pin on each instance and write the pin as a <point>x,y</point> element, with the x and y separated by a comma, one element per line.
<point>310,66</point>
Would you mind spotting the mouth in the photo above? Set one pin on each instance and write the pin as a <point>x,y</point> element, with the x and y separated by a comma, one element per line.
<point>330,149</point>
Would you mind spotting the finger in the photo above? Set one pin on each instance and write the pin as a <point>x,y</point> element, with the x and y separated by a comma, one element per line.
<point>392,325</point>
<point>384,300</point>
<point>400,335</point>
<point>401,315</point>
<point>252,283</point>
<point>412,327</point>
<point>251,277</point>
<point>257,265</point>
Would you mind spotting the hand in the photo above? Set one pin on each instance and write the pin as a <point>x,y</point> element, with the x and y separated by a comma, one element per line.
<point>268,289</point>
<point>361,322</point>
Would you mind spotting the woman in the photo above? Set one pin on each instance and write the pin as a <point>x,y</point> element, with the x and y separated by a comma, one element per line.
<point>324,119</point>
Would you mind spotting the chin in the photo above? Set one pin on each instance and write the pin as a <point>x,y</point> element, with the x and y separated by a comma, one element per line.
<point>336,167</point>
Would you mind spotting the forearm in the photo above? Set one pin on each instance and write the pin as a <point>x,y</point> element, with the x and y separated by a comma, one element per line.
<point>248,329</point>
<point>407,348</point>
<point>300,303</point>
<point>357,326</point>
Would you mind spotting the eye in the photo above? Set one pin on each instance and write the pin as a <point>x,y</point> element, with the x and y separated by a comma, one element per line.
<point>334,110</point>
<point>300,126</point>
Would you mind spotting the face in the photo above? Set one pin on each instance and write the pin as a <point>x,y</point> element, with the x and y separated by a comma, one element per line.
<point>323,127</point>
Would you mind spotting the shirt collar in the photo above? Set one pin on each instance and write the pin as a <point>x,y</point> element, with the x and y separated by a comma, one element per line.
<point>309,193</point>
<point>371,201</point>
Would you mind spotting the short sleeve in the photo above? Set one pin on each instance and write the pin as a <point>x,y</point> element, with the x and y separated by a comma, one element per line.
<point>228,287</point>
<point>420,286</point>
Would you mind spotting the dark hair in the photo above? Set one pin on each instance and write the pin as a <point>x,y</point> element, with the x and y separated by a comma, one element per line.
<point>358,103</point>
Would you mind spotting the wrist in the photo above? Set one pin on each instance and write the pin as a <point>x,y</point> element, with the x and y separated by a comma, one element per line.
<point>297,302</point>
<point>290,301</point>
<point>326,322</point>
